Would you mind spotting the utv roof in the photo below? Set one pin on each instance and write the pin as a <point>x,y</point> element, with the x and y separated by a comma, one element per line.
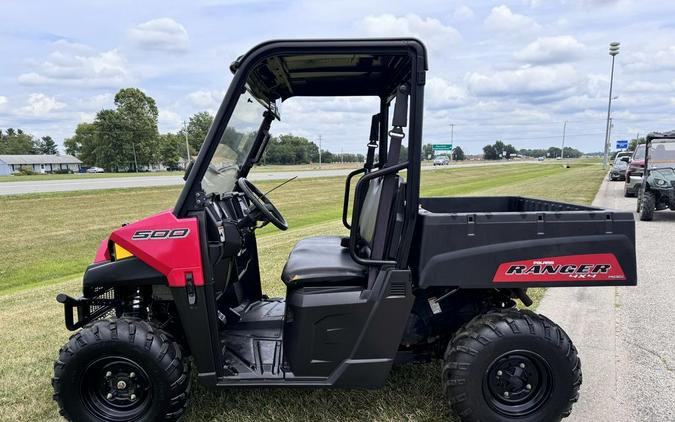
<point>287,68</point>
<point>661,135</point>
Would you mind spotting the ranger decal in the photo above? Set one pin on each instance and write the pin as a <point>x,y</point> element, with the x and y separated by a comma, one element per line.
<point>600,267</point>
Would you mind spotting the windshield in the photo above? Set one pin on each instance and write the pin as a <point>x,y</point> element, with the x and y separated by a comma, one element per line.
<point>662,153</point>
<point>639,153</point>
<point>235,145</point>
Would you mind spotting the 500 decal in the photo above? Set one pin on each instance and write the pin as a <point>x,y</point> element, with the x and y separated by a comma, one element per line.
<point>160,234</point>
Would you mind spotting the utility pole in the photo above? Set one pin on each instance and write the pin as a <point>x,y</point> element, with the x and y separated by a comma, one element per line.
<point>342,156</point>
<point>133,147</point>
<point>452,137</point>
<point>187,143</point>
<point>562,150</point>
<point>319,151</point>
<point>613,51</point>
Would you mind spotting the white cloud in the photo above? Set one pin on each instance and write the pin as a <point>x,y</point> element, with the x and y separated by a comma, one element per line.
<point>651,61</point>
<point>3,102</point>
<point>79,65</point>
<point>206,100</point>
<point>163,34</point>
<point>169,120</point>
<point>463,13</point>
<point>40,105</point>
<point>440,94</point>
<point>431,31</point>
<point>559,49</point>
<point>502,19</point>
<point>537,82</point>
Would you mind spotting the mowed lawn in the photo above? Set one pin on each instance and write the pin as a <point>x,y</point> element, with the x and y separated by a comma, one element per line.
<point>48,239</point>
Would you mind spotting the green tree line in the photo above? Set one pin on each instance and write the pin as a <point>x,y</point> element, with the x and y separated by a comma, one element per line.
<point>17,142</point>
<point>499,150</point>
<point>126,137</point>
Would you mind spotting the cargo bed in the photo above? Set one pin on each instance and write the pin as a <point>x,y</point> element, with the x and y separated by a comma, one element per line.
<point>510,241</point>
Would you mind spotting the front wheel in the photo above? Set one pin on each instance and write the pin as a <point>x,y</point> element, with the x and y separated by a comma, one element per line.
<point>121,370</point>
<point>647,206</point>
<point>511,365</point>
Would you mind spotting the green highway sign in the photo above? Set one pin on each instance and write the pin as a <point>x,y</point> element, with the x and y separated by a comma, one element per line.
<point>441,147</point>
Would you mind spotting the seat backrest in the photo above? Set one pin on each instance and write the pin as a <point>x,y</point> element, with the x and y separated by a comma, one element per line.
<point>378,206</point>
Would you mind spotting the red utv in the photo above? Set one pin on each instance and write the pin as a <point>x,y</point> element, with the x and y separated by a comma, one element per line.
<point>415,278</point>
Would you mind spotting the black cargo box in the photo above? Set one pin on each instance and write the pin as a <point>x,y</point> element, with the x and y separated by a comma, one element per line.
<point>502,242</point>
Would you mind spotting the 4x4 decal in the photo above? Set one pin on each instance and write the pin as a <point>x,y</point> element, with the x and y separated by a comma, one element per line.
<point>160,234</point>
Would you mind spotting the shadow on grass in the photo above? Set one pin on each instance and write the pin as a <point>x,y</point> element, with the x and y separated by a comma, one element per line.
<point>413,392</point>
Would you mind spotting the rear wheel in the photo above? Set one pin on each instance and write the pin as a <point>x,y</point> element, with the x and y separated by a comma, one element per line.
<point>511,365</point>
<point>647,206</point>
<point>121,370</point>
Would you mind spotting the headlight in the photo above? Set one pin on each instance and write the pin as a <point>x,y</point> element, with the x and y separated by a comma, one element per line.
<point>660,182</point>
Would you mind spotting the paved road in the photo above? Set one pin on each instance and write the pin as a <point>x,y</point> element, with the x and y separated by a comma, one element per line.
<point>625,335</point>
<point>66,185</point>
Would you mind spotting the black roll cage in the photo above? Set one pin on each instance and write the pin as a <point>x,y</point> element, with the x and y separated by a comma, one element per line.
<point>244,65</point>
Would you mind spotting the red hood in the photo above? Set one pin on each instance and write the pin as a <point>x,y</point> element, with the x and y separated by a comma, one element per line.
<point>166,243</point>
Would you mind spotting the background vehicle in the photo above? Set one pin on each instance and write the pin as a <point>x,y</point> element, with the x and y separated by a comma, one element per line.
<point>634,173</point>
<point>441,161</point>
<point>658,190</point>
<point>618,170</point>
<point>621,154</point>
<point>95,170</point>
<point>186,282</point>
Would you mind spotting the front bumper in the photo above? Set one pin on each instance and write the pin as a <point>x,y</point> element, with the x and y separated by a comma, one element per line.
<point>88,309</point>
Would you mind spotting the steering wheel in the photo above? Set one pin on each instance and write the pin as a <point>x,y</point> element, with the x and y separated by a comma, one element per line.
<point>262,203</point>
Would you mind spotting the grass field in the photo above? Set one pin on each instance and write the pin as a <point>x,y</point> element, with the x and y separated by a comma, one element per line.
<point>50,238</point>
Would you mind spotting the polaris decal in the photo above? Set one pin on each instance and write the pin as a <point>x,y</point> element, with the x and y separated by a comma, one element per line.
<point>160,234</point>
<point>599,267</point>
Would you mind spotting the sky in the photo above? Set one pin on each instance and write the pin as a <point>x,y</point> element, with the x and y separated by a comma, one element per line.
<point>512,70</point>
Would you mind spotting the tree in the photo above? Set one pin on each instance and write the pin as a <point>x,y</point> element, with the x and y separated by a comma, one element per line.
<point>632,145</point>
<point>458,154</point>
<point>197,128</point>
<point>47,146</point>
<point>490,152</point>
<point>17,142</point>
<point>135,126</point>
<point>83,143</point>
<point>553,152</point>
<point>170,148</point>
<point>427,151</point>
<point>500,148</point>
<point>120,137</point>
<point>509,150</point>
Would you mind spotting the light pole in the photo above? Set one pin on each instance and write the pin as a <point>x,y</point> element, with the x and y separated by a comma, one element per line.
<point>562,150</point>
<point>187,143</point>
<point>452,139</point>
<point>319,151</point>
<point>613,51</point>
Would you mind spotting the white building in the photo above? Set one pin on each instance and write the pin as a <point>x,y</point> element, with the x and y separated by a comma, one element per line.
<point>38,163</point>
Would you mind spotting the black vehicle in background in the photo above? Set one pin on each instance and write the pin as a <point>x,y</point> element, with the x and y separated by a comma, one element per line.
<point>416,278</point>
<point>619,167</point>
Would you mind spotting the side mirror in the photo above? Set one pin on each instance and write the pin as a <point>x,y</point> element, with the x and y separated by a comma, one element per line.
<point>188,169</point>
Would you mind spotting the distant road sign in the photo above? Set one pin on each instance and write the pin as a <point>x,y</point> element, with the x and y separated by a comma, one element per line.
<point>441,147</point>
<point>622,144</point>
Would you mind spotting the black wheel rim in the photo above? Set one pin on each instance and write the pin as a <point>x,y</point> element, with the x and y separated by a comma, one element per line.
<point>518,383</point>
<point>116,389</point>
